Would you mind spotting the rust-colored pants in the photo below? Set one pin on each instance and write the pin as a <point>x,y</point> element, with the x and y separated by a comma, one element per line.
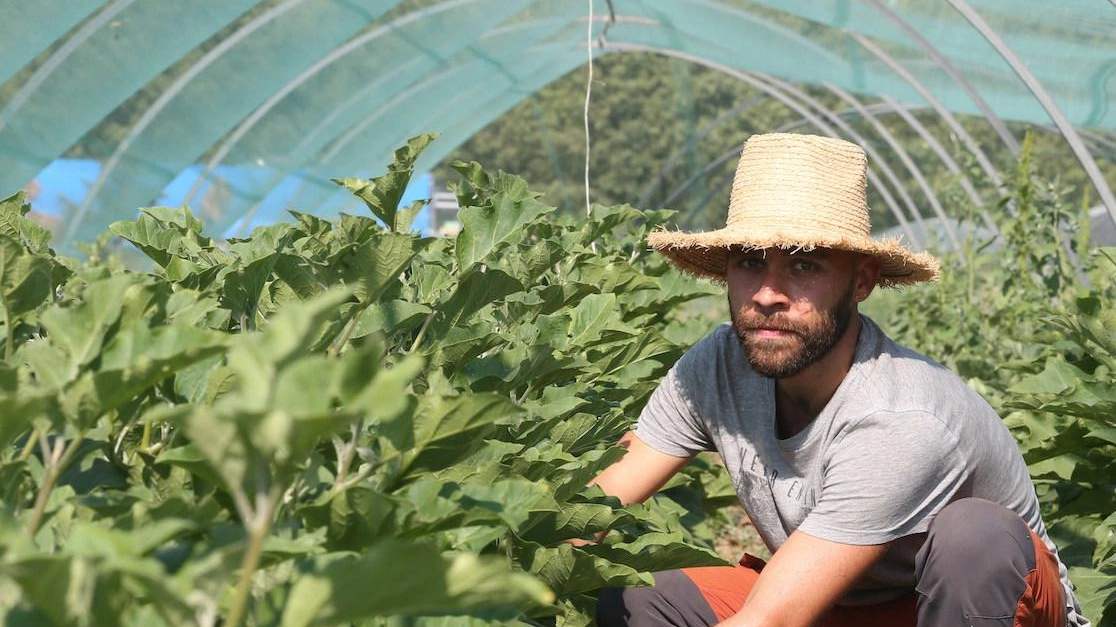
<point>981,566</point>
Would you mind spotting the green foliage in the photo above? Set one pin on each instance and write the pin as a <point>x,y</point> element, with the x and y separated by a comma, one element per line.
<point>343,423</point>
<point>335,422</point>
<point>1026,317</point>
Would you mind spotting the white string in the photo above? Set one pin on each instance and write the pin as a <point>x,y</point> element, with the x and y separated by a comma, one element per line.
<point>588,93</point>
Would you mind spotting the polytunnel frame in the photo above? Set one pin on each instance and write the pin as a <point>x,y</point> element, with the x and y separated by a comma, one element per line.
<point>165,99</point>
<point>340,143</point>
<point>305,76</point>
<point>1071,135</point>
<point>64,51</point>
<point>260,112</point>
<point>1068,132</point>
<point>562,63</point>
<point>774,91</point>
<point>946,115</point>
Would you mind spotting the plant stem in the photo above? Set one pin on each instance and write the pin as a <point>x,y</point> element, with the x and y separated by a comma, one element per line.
<point>346,453</point>
<point>422,332</point>
<point>55,461</point>
<point>339,343</point>
<point>145,439</point>
<point>257,533</point>
<point>32,440</point>
<point>247,569</point>
<point>11,335</point>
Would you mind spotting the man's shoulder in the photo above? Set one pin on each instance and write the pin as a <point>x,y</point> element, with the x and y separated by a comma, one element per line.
<point>877,344</point>
<point>902,378</point>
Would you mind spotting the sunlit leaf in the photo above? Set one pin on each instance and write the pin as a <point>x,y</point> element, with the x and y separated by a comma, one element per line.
<point>403,578</point>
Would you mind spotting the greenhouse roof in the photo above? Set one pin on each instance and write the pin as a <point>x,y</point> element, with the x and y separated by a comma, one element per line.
<point>275,98</point>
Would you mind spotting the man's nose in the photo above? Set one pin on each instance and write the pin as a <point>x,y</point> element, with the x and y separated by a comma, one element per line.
<point>771,292</point>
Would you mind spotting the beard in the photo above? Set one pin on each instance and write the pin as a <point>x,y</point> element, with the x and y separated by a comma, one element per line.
<point>809,340</point>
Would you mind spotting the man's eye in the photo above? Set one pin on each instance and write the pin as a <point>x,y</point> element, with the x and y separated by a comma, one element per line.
<point>806,266</point>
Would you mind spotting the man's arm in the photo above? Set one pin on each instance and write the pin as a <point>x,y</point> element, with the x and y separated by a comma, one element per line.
<point>803,579</point>
<point>640,473</point>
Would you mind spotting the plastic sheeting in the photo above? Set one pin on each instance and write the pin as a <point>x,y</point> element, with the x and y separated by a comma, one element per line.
<point>239,107</point>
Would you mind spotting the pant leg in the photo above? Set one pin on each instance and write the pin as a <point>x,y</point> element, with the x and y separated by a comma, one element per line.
<point>673,601</point>
<point>696,597</point>
<point>982,566</point>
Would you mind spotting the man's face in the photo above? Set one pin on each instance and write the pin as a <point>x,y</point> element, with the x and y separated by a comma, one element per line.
<point>790,308</point>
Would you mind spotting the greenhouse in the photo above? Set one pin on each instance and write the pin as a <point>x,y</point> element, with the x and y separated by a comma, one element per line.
<point>329,312</point>
<point>112,106</point>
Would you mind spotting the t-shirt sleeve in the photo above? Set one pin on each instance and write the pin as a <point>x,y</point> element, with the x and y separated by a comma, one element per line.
<point>670,422</point>
<point>887,477</point>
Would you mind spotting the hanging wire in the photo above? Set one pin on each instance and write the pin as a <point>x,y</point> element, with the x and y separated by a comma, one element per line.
<point>589,86</point>
<point>588,94</point>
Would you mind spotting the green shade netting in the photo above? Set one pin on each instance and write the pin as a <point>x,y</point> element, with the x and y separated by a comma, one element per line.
<point>306,90</point>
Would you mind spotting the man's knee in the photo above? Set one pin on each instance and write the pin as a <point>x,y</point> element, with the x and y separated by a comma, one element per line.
<point>673,600</point>
<point>976,563</point>
<point>969,528</point>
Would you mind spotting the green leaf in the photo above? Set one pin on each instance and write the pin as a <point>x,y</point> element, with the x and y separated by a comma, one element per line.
<point>405,578</point>
<point>391,316</point>
<point>97,541</point>
<point>18,410</point>
<point>656,551</point>
<point>163,234</point>
<point>474,292</point>
<point>177,217</point>
<point>377,263</point>
<point>241,287</point>
<point>594,315</point>
<point>436,504</point>
<point>354,518</point>
<point>258,358</point>
<point>449,429</point>
<point>223,449</point>
<point>15,224</point>
<point>382,194</point>
<point>485,229</point>
<point>81,330</point>
<point>1056,377</point>
<point>569,571</point>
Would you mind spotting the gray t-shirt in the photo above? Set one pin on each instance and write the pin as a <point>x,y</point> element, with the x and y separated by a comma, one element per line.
<point>901,438</point>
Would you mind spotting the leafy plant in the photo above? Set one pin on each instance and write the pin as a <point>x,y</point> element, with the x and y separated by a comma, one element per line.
<point>335,422</point>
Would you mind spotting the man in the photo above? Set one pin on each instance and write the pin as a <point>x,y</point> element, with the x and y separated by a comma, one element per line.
<point>888,492</point>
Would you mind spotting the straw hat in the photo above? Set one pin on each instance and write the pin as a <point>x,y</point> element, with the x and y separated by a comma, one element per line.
<point>796,192</point>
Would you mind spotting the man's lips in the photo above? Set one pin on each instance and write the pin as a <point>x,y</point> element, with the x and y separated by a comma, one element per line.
<point>769,332</point>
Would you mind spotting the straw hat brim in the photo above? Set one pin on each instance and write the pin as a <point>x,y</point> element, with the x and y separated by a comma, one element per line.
<point>706,254</point>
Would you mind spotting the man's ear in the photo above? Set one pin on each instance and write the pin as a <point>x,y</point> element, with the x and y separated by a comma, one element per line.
<point>867,275</point>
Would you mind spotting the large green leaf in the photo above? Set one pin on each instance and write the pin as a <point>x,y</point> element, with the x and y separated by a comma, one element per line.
<point>569,571</point>
<point>15,224</point>
<point>592,317</point>
<point>382,194</point>
<point>164,234</point>
<point>485,229</point>
<point>354,518</point>
<point>258,358</point>
<point>376,263</point>
<point>436,504</point>
<point>82,329</point>
<point>405,578</point>
<point>447,429</point>
<point>25,280</point>
<point>475,291</point>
